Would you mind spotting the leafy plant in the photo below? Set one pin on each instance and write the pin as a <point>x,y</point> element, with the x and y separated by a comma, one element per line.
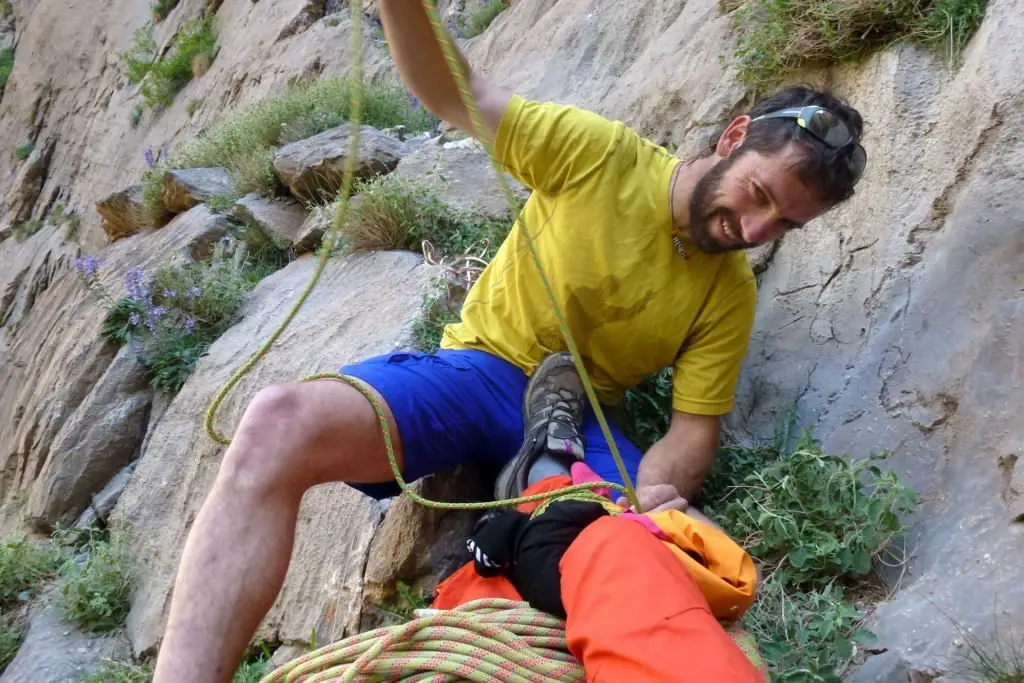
<point>12,632</point>
<point>188,57</point>
<point>244,141</point>
<point>818,516</point>
<point>113,671</point>
<point>255,665</point>
<point>70,221</point>
<point>138,59</point>
<point>649,409</point>
<point>24,150</point>
<point>6,66</point>
<point>173,316</point>
<point>775,37</point>
<point>477,22</point>
<point>25,229</point>
<point>429,327</point>
<point>407,601</point>
<point>23,565</point>
<point>161,8</point>
<point>95,584</point>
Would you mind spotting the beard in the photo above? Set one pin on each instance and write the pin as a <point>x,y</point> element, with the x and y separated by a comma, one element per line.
<point>704,213</point>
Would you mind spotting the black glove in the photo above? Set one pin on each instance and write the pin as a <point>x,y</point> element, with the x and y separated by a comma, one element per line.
<point>528,551</point>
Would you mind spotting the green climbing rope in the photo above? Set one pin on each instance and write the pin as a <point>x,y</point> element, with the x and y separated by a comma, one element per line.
<point>331,241</point>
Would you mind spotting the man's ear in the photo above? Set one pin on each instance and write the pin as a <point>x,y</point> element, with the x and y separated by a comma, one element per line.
<point>733,136</point>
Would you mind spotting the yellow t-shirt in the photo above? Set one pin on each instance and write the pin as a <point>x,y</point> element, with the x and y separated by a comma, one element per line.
<point>600,219</point>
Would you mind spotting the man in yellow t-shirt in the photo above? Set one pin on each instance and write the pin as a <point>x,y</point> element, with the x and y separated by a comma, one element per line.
<point>644,256</point>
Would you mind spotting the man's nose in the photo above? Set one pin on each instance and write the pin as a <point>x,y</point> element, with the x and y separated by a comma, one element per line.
<point>759,227</point>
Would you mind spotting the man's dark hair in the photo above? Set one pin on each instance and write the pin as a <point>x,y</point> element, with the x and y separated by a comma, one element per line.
<point>824,169</point>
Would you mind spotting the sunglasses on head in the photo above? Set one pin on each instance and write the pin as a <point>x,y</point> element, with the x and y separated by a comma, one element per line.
<point>829,129</point>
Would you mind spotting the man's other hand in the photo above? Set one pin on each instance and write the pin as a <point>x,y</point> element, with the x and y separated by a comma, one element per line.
<point>657,498</point>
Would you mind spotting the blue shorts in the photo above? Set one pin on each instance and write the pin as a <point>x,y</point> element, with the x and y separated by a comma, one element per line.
<point>453,407</point>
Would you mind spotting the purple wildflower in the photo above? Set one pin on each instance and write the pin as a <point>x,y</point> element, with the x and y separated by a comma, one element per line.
<point>193,293</point>
<point>169,293</point>
<point>190,324</point>
<point>134,319</point>
<point>87,266</point>
<point>147,154</point>
<point>135,285</point>
<point>158,312</point>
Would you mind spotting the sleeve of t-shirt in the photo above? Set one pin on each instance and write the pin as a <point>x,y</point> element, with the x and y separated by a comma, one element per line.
<point>706,372</point>
<point>550,147</point>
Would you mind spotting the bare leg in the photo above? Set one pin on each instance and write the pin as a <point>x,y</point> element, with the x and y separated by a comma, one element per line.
<point>292,437</point>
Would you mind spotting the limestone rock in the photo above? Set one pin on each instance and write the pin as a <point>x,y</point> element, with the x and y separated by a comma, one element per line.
<point>100,438</point>
<point>124,213</point>
<point>280,219</point>
<point>310,12</point>
<point>54,650</point>
<point>28,183</point>
<point>204,227</point>
<point>102,504</point>
<point>312,168</point>
<point>371,301</point>
<point>462,174</point>
<point>185,187</point>
<point>313,228</point>
<point>419,545</point>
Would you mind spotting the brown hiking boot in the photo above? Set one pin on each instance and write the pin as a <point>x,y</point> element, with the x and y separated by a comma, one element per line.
<point>553,419</point>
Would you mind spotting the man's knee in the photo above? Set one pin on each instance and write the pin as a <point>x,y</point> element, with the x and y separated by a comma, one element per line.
<point>278,430</point>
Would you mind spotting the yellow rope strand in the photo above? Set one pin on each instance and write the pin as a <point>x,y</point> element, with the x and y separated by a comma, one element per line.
<point>330,241</point>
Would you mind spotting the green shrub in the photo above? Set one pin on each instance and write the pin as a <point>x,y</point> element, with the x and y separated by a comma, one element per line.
<point>255,665</point>
<point>23,565</point>
<point>95,584</point>
<point>113,671</point>
<point>12,632</point>
<point>24,150</point>
<point>429,327</point>
<point>161,8</point>
<point>776,37</point>
<point>68,220</point>
<point>6,66</point>
<point>22,231</point>
<point>396,213</point>
<point>138,60</point>
<point>188,57</point>
<point>477,22</point>
<point>648,409</point>
<point>173,315</point>
<point>244,141</point>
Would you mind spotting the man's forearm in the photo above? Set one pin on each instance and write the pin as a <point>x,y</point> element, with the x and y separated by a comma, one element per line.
<point>420,61</point>
<point>683,457</point>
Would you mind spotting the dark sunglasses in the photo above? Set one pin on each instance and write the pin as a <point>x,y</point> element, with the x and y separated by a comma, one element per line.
<point>829,129</point>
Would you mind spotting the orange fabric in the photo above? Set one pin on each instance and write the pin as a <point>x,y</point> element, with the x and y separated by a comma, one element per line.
<point>725,574</point>
<point>636,615</point>
<point>466,585</point>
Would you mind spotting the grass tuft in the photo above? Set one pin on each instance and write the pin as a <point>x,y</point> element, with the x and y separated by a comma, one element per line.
<point>244,142</point>
<point>407,601</point>
<point>6,66</point>
<point>138,59</point>
<point>25,229</point>
<point>23,565</point>
<point>777,37</point>
<point>478,21</point>
<point>397,213</point>
<point>113,671</point>
<point>429,327</point>
<point>12,632</point>
<point>95,583</point>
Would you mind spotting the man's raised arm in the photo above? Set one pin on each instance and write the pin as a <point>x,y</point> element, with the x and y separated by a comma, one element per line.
<point>426,73</point>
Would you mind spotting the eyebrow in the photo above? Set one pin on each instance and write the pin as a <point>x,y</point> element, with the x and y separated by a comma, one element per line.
<point>771,198</point>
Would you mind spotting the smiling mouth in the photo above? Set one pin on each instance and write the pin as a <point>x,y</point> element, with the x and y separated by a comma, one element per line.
<point>727,231</point>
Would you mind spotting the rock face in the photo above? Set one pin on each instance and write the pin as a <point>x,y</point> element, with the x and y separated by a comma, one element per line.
<point>124,213</point>
<point>185,187</point>
<point>363,306</point>
<point>420,545</point>
<point>28,183</point>
<point>462,174</point>
<point>55,651</point>
<point>280,219</point>
<point>99,440</point>
<point>312,168</point>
